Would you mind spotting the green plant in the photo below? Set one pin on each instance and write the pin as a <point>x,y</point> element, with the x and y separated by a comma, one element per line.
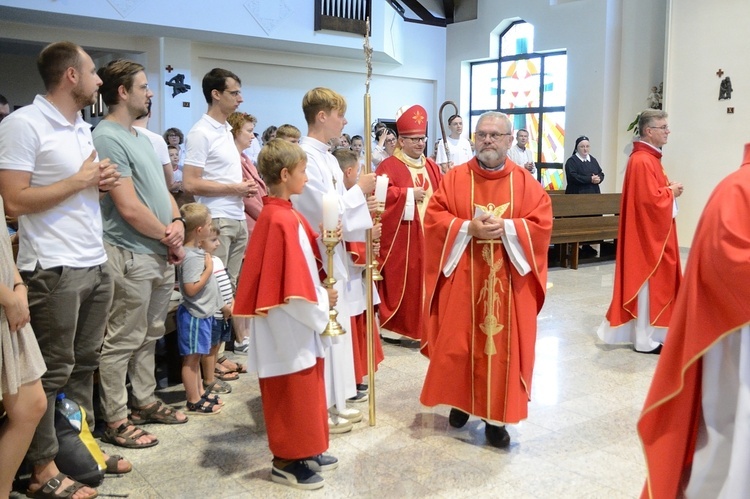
<point>634,125</point>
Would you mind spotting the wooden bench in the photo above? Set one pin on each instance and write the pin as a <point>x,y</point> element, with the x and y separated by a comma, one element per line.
<point>582,218</point>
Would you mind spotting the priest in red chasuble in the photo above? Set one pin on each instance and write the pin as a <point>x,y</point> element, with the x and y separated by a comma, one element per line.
<point>412,178</point>
<point>694,425</point>
<point>487,231</point>
<point>647,269</point>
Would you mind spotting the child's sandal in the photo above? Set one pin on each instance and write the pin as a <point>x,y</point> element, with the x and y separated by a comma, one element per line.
<point>203,407</point>
<point>214,399</point>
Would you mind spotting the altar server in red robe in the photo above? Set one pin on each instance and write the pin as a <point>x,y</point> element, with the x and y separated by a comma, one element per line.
<point>647,270</point>
<point>412,179</point>
<point>487,232</point>
<point>695,425</point>
<point>287,310</point>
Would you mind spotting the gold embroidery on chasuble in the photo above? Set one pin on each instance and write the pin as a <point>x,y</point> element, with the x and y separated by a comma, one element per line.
<point>493,291</point>
<point>419,177</point>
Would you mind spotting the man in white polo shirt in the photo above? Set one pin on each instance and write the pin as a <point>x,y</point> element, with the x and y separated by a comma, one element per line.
<point>51,179</point>
<point>520,153</point>
<point>213,172</point>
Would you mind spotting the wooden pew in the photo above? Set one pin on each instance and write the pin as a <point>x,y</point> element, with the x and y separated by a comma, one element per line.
<point>582,218</point>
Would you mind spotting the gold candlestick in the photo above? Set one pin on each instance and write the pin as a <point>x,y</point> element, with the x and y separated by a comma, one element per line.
<point>376,275</point>
<point>333,328</point>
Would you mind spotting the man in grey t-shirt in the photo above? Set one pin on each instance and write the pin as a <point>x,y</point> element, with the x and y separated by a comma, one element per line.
<point>143,236</point>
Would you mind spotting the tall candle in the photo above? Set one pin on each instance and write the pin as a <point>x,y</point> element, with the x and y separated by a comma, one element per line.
<point>330,211</point>
<point>409,205</point>
<point>381,188</point>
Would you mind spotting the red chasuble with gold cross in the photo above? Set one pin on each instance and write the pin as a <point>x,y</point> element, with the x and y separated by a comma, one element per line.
<point>480,321</point>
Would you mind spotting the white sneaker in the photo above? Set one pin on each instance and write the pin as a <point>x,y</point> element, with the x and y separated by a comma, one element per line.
<point>349,414</point>
<point>338,424</point>
<point>242,347</point>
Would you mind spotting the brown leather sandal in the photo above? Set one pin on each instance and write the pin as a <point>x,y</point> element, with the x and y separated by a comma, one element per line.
<point>157,413</point>
<point>49,489</point>
<point>127,435</point>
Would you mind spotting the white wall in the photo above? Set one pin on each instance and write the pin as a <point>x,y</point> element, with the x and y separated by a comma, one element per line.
<point>21,84</point>
<point>408,68</point>
<point>706,143</point>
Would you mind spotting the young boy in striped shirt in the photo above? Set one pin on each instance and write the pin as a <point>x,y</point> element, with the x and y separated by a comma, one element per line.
<point>222,326</point>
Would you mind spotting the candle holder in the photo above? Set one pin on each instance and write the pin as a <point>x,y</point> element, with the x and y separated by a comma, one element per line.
<point>376,275</point>
<point>333,328</point>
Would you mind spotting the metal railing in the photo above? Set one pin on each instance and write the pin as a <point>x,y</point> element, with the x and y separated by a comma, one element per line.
<point>349,16</point>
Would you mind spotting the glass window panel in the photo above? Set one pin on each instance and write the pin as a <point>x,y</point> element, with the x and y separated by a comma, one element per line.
<point>522,85</point>
<point>519,39</point>
<point>553,178</point>
<point>519,83</point>
<point>484,86</point>
<point>555,80</point>
<point>474,121</point>
<point>553,137</point>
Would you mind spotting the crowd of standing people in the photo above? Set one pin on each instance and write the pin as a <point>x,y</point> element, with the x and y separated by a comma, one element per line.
<point>462,248</point>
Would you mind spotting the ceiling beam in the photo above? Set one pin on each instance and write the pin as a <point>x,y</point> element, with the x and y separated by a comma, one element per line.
<point>448,8</point>
<point>425,16</point>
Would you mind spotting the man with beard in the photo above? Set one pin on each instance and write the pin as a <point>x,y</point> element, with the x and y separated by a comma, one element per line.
<point>487,231</point>
<point>143,235</point>
<point>50,178</point>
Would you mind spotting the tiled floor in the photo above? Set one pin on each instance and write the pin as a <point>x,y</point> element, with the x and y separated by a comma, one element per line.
<point>579,441</point>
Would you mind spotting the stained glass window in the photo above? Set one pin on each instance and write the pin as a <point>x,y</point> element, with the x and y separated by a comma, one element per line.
<point>530,87</point>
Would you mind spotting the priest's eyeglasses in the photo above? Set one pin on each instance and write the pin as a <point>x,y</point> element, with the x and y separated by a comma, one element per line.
<point>416,139</point>
<point>664,128</point>
<point>494,137</point>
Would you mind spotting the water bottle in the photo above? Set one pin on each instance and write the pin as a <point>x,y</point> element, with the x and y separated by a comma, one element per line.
<point>70,410</point>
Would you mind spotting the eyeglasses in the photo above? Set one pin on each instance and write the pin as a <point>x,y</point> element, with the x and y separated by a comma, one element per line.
<point>234,93</point>
<point>390,141</point>
<point>417,139</point>
<point>494,137</point>
<point>664,128</point>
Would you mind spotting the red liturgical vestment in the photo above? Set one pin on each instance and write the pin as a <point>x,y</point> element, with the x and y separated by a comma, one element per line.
<point>709,309</point>
<point>401,250</point>
<point>480,321</point>
<point>647,249</point>
<point>279,289</point>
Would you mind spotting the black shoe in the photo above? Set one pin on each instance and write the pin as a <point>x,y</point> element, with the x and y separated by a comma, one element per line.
<point>359,397</point>
<point>410,343</point>
<point>322,462</point>
<point>391,341</point>
<point>457,418</point>
<point>587,251</point>
<point>497,436</point>
<point>297,474</point>
<point>655,351</point>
